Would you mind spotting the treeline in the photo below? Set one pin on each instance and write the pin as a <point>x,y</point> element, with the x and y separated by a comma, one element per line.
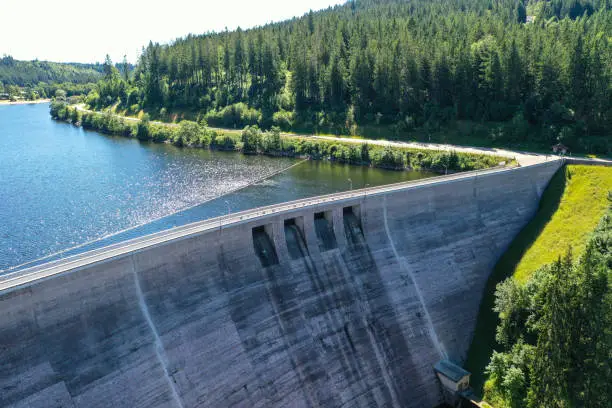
<point>540,69</point>
<point>31,73</point>
<point>252,140</point>
<point>44,90</point>
<point>33,80</point>
<point>557,332</point>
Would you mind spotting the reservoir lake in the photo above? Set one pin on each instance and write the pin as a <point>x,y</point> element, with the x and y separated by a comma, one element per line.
<point>65,190</point>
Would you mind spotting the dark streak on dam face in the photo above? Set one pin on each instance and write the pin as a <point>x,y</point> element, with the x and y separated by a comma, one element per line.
<point>347,304</point>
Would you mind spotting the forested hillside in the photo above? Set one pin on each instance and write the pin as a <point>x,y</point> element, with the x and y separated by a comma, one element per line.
<point>555,332</point>
<point>30,73</point>
<point>521,71</point>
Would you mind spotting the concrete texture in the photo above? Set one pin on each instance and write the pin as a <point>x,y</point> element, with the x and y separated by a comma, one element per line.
<point>190,318</point>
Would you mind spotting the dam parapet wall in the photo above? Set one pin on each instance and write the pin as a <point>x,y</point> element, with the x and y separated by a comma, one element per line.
<point>348,299</point>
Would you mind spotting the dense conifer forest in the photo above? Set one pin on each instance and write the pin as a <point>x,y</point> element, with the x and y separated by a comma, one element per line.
<point>42,79</point>
<point>537,71</point>
<point>31,73</point>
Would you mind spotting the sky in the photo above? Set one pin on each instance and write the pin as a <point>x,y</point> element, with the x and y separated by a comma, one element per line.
<point>86,30</point>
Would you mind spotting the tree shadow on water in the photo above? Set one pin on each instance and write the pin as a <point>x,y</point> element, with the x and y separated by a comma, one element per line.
<point>484,341</point>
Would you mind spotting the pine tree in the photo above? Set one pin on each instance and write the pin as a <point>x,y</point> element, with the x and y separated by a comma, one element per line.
<point>470,59</point>
<point>514,75</point>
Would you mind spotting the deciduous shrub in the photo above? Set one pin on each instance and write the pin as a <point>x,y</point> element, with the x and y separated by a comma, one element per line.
<point>253,141</point>
<point>236,115</point>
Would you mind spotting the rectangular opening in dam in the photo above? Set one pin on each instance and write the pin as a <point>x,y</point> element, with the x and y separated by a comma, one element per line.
<point>324,228</point>
<point>352,225</point>
<point>294,237</point>
<point>354,210</point>
<point>264,247</point>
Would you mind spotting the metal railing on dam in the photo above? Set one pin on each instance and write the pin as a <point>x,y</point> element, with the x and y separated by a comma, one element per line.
<point>26,275</point>
<point>352,306</point>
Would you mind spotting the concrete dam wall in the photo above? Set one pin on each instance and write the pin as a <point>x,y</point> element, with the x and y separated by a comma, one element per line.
<point>347,300</point>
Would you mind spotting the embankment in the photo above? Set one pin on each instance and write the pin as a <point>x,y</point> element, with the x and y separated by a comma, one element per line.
<point>24,102</point>
<point>253,141</point>
<point>344,300</point>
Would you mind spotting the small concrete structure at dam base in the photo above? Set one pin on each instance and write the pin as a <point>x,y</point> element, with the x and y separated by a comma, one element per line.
<point>347,301</point>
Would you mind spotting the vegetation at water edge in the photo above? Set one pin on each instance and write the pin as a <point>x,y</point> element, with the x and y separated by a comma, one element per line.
<point>252,140</point>
<point>511,72</point>
<point>30,73</point>
<point>31,80</point>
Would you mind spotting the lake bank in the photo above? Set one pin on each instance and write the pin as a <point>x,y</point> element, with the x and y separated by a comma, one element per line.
<point>381,154</point>
<point>38,101</point>
<point>64,186</point>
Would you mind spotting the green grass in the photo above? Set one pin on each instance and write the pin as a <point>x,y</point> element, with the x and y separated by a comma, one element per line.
<point>570,208</point>
<point>582,206</point>
<point>459,132</point>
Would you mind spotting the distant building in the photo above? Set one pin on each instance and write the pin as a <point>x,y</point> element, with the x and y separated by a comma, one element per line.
<point>4,96</point>
<point>530,19</point>
<point>560,149</point>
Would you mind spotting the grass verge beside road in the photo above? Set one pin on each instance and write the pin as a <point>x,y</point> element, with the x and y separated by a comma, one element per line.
<point>251,140</point>
<point>457,132</point>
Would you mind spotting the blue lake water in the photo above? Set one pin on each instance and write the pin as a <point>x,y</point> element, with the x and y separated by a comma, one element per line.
<point>64,190</point>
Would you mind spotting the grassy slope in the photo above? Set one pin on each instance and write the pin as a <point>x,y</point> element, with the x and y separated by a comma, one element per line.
<point>581,208</point>
<point>570,208</point>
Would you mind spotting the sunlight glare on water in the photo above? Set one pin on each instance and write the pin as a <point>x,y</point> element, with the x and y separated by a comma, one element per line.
<point>62,186</point>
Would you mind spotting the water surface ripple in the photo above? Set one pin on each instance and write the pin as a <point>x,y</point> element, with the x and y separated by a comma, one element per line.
<point>63,187</point>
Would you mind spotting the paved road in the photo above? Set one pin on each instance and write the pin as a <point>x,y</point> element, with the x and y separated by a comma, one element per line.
<point>523,158</point>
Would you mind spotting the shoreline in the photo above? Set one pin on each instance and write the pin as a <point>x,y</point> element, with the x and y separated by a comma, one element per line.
<point>423,157</point>
<point>38,101</point>
<point>522,158</point>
